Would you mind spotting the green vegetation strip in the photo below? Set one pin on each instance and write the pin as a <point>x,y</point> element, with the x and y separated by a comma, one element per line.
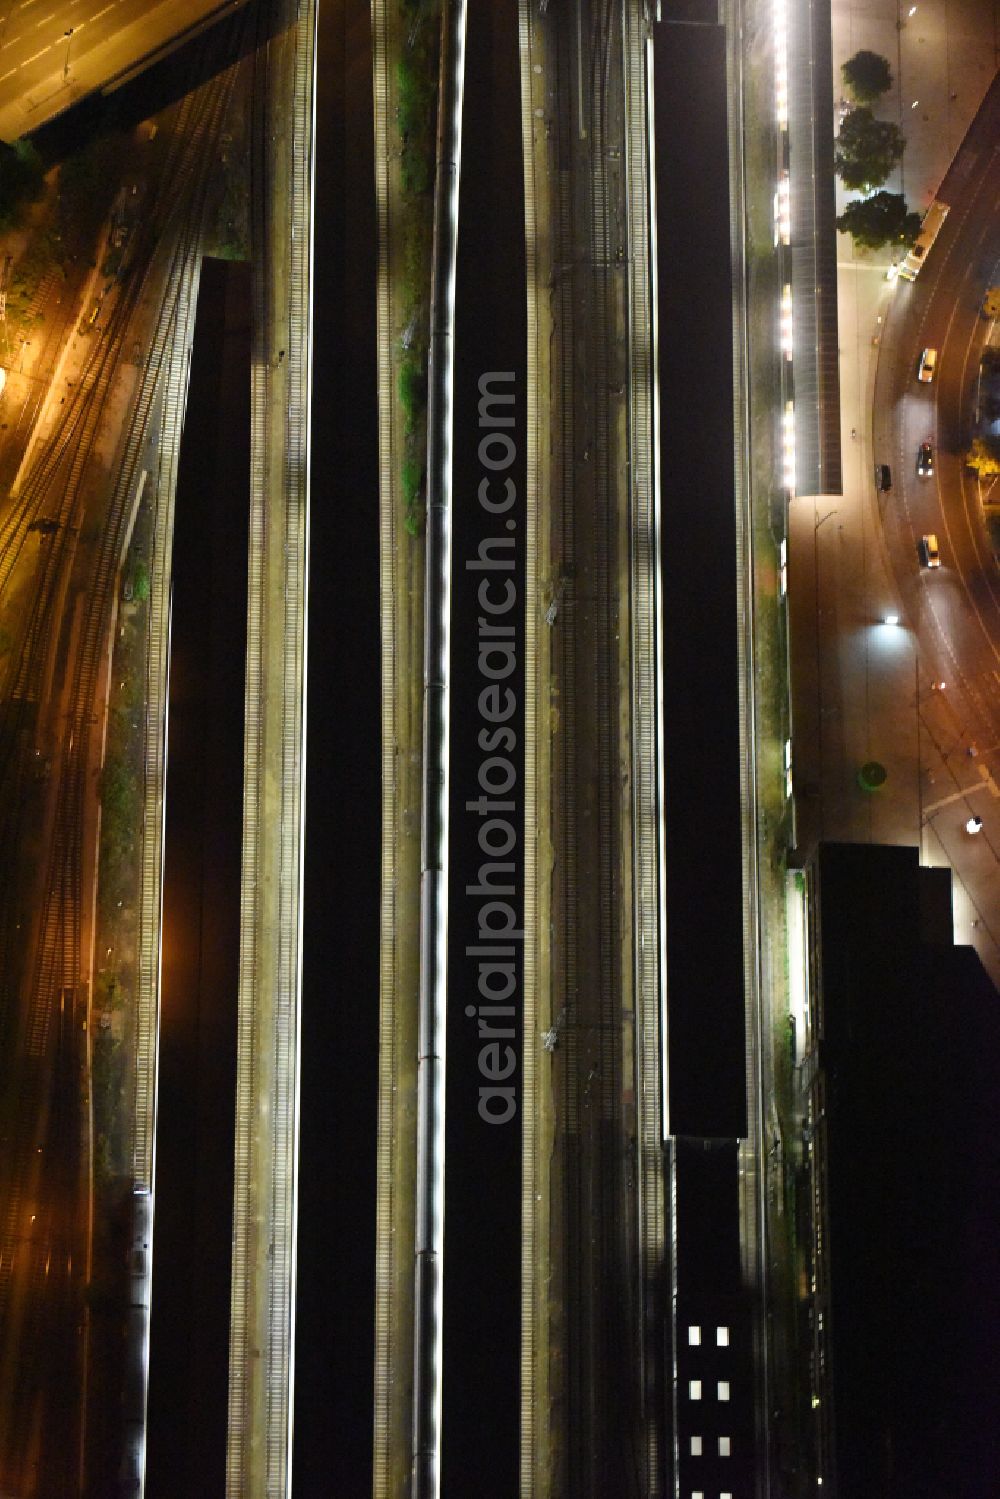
<point>416,120</point>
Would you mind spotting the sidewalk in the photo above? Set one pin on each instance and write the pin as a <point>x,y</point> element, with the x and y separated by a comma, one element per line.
<point>863,694</point>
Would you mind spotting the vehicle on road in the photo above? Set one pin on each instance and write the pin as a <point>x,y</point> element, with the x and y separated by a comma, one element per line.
<point>883,477</point>
<point>929,231</point>
<point>930,549</point>
<point>925,460</point>
<point>927,366</point>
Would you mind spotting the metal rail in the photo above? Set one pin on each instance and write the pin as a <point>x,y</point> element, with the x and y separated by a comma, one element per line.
<point>646,710</point>
<point>391,540</point>
<point>753,1150</point>
<point>533,1211</point>
<point>428,1302</point>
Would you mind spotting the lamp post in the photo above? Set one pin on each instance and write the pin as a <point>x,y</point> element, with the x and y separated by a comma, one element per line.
<point>69,37</point>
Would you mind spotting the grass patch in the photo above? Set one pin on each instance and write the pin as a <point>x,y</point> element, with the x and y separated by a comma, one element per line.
<point>412,392</point>
<point>42,256</point>
<point>415,508</point>
<point>416,120</point>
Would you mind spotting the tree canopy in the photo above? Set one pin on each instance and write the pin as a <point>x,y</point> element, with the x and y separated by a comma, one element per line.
<point>866,76</point>
<point>882,219</point>
<point>984,455</point>
<point>21,174</point>
<point>867,149</point>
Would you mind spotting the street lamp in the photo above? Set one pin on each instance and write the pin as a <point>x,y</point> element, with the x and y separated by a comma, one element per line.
<point>68,35</point>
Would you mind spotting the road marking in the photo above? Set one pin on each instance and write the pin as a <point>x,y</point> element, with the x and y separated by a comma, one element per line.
<point>103,12</point>
<point>956,796</point>
<point>37,55</point>
<point>8,75</point>
<point>988,781</point>
<point>45,21</point>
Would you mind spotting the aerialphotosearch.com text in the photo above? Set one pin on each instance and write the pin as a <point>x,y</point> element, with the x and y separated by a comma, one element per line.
<point>495,952</point>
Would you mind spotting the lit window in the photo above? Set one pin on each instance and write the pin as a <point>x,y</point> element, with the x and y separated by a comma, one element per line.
<point>696,1446</point>
<point>723,1389</point>
<point>722,1333</point>
<point>694,1337</point>
<point>724,1447</point>
<point>725,1496</point>
<point>697,1494</point>
<point>694,1389</point>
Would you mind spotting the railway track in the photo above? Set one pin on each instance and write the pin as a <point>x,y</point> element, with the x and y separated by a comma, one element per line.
<point>263,1275</point>
<point>646,708</point>
<point>594,1225</point>
<point>165,262</point>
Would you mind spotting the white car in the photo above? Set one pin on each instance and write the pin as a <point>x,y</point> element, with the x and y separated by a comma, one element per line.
<point>927,365</point>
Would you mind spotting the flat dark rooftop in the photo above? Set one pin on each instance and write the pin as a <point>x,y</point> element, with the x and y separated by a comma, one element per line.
<point>702,815</point>
<point>911,1055</point>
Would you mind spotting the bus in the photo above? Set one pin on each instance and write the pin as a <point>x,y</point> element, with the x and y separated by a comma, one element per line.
<point>929,231</point>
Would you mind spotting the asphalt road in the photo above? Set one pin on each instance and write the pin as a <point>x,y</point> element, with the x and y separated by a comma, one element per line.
<point>50,55</point>
<point>954,610</point>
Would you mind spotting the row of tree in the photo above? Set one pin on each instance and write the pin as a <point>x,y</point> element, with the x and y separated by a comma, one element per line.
<point>867,150</point>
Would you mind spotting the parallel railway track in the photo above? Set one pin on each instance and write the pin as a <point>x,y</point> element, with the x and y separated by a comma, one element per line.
<point>55,490</point>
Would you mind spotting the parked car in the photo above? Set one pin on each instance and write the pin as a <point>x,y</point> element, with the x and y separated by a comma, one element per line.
<point>927,366</point>
<point>883,477</point>
<point>932,554</point>
<point>925,460</point>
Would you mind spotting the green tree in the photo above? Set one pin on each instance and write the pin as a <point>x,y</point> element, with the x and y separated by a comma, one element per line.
<point>21,181</point>
<point>882,219</point>
<point>866,76</point>
<point>867,149</point>
<point>984,455</point>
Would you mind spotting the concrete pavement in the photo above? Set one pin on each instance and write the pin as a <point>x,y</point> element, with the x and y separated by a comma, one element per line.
<point>862,690</point>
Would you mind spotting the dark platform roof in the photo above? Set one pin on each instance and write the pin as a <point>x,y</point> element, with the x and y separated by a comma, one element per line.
<point>813,249</point>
